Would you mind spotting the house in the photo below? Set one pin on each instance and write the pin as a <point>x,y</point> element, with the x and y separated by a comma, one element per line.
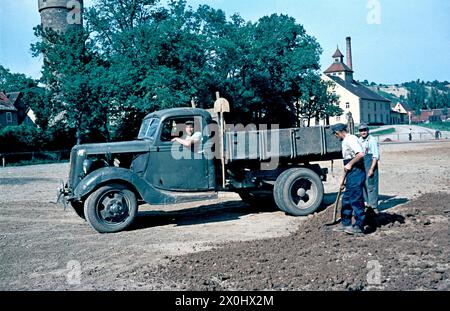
<point>402,107</point>
<point>24,112</point>
<point>8,113</point>
<point>434,115</point>
<point>365,105</point>
<point>401,113</point>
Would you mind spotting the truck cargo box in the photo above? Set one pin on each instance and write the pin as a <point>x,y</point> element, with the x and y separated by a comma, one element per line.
<point>294,144</point>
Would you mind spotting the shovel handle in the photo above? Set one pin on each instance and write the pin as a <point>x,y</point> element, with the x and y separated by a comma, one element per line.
<point>341,188</point>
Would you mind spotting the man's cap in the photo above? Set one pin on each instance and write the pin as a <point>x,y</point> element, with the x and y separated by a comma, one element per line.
<point>338,128</point>
<point>363,126</point>
<point>189,123</point>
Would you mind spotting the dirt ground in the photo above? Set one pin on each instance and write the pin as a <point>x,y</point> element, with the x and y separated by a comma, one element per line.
<point>225,244</point>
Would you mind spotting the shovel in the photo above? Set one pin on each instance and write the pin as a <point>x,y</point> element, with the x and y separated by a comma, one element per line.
<point>335,219</point>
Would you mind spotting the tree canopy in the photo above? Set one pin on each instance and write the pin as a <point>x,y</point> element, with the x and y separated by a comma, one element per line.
<point>136,56</point>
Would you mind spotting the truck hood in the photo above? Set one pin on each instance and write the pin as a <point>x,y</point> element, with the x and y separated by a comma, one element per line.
<point>81,152</point>
<point>135,146</point>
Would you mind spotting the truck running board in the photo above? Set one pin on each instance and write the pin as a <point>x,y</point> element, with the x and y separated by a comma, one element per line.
<point>173,197</point>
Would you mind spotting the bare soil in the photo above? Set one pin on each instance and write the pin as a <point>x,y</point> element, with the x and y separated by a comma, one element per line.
<point>410,247</point>
<point>226,244</point>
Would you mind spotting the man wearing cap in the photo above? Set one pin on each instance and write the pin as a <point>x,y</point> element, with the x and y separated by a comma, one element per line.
<point>191,137</point>
<point>353,198</point>
<point>371,159</point>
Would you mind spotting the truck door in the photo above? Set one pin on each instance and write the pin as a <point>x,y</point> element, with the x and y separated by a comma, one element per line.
<point>175,167</point>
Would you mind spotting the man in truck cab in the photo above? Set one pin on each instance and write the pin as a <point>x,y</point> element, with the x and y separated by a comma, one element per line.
<point>191,137</point>
<point>353,198</point>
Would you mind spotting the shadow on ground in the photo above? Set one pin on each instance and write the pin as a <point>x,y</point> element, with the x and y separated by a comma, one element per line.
<point>374,220</point>
<point>220,212</point>
<point>25,180</point>
<point>386,202</point>
<point>233,210</point>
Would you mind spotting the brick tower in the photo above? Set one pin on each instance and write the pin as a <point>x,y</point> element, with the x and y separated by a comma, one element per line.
<point>60,15</point>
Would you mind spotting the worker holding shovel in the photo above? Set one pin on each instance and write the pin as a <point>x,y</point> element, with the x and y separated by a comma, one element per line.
<point>355,177</point>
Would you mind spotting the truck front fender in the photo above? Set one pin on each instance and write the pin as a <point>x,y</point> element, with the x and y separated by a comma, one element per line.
<point>115,174</point>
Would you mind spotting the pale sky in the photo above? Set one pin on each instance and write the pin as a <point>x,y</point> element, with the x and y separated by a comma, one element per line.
<point>407,40</point>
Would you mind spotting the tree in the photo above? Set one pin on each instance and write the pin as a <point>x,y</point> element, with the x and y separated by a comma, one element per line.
<point>137,56</point>
<point>417,95</point>
<point>73,76</point>
<point>318,102</point>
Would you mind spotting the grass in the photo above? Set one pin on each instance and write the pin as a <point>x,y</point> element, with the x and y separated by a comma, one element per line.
<point>384,132</point>
<point>444,126</point>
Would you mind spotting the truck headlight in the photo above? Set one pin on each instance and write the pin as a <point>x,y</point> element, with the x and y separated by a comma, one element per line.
<point>87,166</point>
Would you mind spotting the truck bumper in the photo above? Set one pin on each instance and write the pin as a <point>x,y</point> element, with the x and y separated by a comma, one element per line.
<point>63,195</point>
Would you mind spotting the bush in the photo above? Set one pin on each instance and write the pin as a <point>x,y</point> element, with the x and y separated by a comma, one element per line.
<point>21,138</point>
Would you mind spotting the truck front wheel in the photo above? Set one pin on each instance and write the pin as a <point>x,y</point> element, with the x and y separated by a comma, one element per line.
<point>111,208</point>
<point>298,191</point>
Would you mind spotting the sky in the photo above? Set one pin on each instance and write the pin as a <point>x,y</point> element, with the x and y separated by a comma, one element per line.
<point>393,41</point>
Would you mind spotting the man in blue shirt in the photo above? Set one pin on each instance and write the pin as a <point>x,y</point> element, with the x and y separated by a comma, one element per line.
<point>371,159</point>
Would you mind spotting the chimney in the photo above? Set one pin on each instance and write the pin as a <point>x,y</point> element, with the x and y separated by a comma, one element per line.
<point>349,53</point>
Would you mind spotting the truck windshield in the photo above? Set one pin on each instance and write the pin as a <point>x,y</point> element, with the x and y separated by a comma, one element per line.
<point>148,128</point>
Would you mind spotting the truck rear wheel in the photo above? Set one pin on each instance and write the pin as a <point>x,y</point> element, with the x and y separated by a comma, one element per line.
<point>111,208</point>
<point>298,191</point>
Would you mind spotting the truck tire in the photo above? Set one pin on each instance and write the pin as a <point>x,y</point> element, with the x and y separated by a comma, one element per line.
<point>111,208</point>
<point>78,207</point>
<point>298,191</point>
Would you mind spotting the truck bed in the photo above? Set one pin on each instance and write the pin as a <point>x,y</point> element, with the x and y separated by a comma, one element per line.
<point>288,145</point>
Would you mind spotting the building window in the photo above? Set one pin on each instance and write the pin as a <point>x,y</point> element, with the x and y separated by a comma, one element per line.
<point>375,105</point>
<point>368,118</point>
<point>347,105</point>
<point>8,117</point>
<point>338,118</point>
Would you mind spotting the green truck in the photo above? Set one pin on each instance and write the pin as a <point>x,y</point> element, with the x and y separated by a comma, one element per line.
<point>108,181</point>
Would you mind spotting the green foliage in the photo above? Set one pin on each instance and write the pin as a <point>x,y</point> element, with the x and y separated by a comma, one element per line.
<point>21,138</point>
<point>428,95</point>
<point>136,56</point>
<point>74,77</point>
<point>441,126</point>
<point>384,132</point>
<point>317,102</point>
<point>164,57</point>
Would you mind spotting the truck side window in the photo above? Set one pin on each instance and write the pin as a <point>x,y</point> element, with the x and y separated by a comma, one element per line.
<point>166,133</point>
<point>171,129</point>
<point>176,128</point>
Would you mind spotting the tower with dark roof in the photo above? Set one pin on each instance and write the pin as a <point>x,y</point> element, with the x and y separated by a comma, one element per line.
<point>61,15</point>
<point>338,68</point>
<point>365,105</point>
<point>338,57</point>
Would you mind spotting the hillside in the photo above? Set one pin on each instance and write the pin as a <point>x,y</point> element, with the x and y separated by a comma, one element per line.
<point>417,94</point>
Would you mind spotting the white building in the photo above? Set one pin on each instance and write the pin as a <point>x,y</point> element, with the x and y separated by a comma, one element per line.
<point>365,105</point>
